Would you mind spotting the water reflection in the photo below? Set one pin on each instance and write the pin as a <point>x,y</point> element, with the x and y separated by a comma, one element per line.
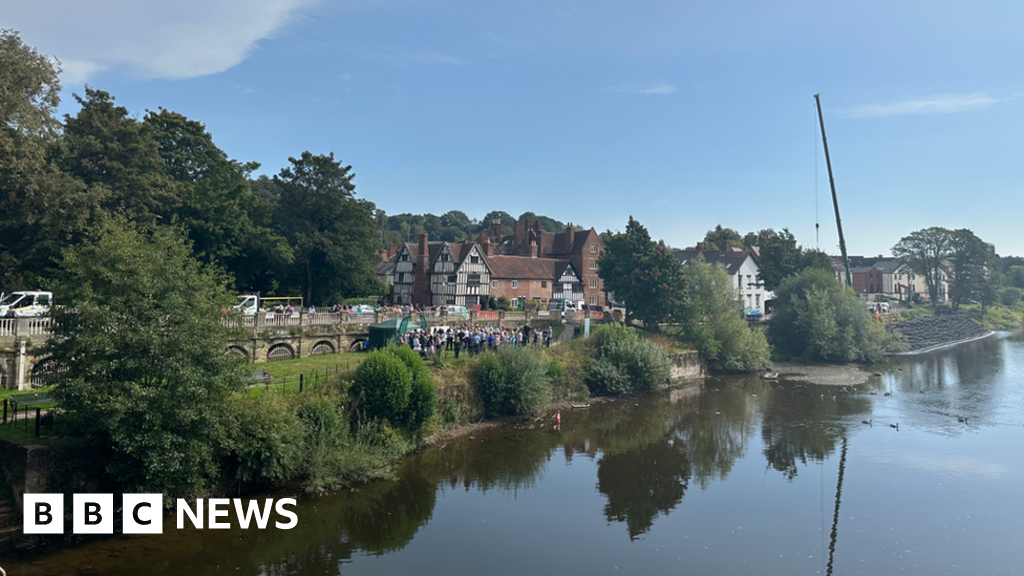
<point>645,466</point>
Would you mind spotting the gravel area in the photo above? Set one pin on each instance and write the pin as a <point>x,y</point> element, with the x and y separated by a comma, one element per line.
<point>824,374</point>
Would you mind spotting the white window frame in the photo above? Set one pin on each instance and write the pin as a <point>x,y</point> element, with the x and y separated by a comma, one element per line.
<point>515,284</point>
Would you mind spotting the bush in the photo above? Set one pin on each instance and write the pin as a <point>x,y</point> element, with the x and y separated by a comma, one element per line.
<point>264,440</point>
<point>514,381</point>
<point>394,384</point>
<point>816,318</point>
<point>1012,295</point>
<point>568,378</point>
<point>382,386</point>
<point>626,364</point>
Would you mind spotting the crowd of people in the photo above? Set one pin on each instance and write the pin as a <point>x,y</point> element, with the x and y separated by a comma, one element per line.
<point>473,341</point>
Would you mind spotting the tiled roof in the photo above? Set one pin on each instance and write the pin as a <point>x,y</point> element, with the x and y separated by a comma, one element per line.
<point>526,268</point>
<point>730,260</point>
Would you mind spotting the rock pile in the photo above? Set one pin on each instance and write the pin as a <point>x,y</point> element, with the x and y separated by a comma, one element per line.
<point>921,333</point>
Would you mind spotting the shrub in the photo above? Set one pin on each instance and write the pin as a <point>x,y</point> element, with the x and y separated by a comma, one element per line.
<point>568,379</point>
<point>513,381</point>
<point>264,440</point>
<point>625,363</point>
<point>395,384</point>
<point>1012,295</point>
<point>382,386</point>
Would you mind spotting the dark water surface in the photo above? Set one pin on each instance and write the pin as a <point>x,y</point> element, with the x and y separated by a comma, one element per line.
<point>740,478</point>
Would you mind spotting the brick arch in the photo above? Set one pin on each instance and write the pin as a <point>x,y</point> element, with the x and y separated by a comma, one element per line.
<point>237,351</point>
<point>322,347</point>
<point>280,352</point>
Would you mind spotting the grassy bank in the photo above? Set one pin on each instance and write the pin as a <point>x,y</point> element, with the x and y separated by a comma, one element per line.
<point>992,317</point>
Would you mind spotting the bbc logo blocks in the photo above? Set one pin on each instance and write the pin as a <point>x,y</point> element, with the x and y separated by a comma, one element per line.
<point>93,514</point>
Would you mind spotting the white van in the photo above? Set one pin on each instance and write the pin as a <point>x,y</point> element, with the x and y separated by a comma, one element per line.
<point>26,304</point>
<point>249,304</point>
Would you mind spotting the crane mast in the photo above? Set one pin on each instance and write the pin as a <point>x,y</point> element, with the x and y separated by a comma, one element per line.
<point>835,200</point>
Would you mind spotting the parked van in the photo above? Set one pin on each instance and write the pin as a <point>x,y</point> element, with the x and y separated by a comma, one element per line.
<point>26,304</point>
<point>249,304</point>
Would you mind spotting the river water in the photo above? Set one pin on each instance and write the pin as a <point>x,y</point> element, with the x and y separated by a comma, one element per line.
<point>742,477</point>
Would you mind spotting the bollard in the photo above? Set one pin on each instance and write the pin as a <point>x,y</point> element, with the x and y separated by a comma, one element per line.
<point>38,416</point>
<point>300,383</point>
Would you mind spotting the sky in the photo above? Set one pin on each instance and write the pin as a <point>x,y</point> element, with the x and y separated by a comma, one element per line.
<point>684,115</point>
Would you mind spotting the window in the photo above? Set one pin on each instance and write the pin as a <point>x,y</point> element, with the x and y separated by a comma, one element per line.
<point>543,284</point>
<point>474,259</point>
<point>593,265</point>
<point>452,279</point>
<point>515,283</point>
<point>473,280</point>
<point>494,283</point>
<point>515,301</point>
<point>567,287</point>
<point>757,300</point>
<point>748,280</point>
<point>593,300</point>
<point>593,248</point>
<point>593,282</point>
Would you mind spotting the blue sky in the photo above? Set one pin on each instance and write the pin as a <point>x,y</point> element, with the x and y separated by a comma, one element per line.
<point>682,114</point>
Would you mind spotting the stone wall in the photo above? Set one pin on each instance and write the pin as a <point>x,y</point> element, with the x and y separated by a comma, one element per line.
<point>686,367</point>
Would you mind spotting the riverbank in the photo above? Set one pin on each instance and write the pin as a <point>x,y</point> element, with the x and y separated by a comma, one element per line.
<point>823,374</point>
<point>929,333</point>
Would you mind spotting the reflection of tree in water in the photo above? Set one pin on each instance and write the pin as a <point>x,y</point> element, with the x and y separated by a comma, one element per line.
<point>806,423</point>
<point>503,459</point>
<point>641,483</point>
<point>699,438</point>
<point>389,516</point>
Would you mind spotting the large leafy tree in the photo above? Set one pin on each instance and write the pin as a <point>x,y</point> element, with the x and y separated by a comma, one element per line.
<point>137,356</point>
<point>42,209</point>
<point>332,233</point>
<point>976,270</point>
<point>714,321</point>
<point>923,252</point>
<point>644,275</point>
<point>817,319</point>
<point>226,220</point>
<point>119,158</point>
<point>781,257</point>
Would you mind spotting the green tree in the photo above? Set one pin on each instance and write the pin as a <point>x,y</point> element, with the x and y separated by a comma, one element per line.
<point>43,209</point>
<point>714,322</point>
<point>137,357</point>
<point>716,239</point>
<point>923,252</point>
<point>780,257</point>
<point>332,233</point>
<point>644,275</point>
<point>118,157</point>
<point>973,274</point>
<point>226,220</point>
<point>29,88</point>
<point>508,223</point>
<point>818,319</point>
<point>1015,277</point>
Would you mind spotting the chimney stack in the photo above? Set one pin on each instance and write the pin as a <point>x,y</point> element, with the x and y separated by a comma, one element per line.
<point>728,246</point>
<point>700,248</point>
<point>392,250</point>
<point>533,249</point>
<point>423,244</point>
<point>485,243</point>
<point>496,230</point>
<point>570,236</point>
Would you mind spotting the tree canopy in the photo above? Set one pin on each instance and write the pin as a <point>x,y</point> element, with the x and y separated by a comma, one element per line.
<point>137,355</point>
<point>643,274</point>
<point>817,319</point>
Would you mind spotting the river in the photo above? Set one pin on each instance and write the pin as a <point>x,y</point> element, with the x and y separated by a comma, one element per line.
<point>742,477</point>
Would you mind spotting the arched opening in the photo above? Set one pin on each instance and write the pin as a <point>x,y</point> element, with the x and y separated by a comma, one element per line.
<point>322,347</point>
<point>280,352</point>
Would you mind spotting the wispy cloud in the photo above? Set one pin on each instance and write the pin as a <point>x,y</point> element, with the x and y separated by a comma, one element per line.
<point>154,39</point>
<point>401,55</point>
<point>937,104</point>
<point>659,88</point>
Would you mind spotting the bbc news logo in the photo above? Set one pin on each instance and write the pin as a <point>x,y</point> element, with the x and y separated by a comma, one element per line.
<point>143,513</point>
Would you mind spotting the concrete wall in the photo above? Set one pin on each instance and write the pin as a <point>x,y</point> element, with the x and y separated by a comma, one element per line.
<point>686,367</point>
